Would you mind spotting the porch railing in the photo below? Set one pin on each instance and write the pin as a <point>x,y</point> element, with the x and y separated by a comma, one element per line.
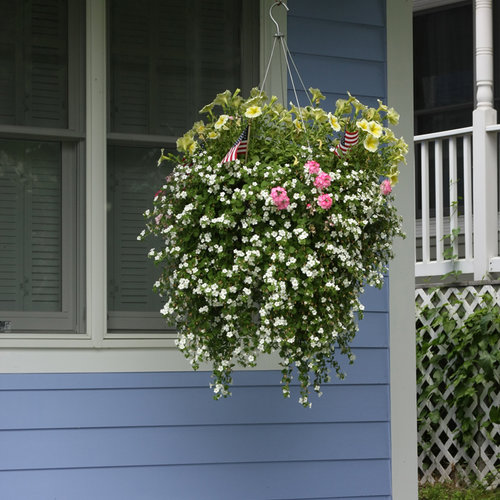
<point>445,208</point>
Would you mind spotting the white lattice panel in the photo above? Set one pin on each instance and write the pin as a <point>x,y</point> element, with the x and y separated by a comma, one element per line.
<point>440,456</point>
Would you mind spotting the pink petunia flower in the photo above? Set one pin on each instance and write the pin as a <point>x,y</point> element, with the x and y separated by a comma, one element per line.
<point>312,166</point>
<point>385,187</point>
<point>278,192</point>
<point>279,197</point>
<point>323,180</point>
<point>325,201</point>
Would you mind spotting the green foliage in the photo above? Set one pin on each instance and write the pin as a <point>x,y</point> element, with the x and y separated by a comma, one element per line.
<point>451,491</point>
<point>466,358</point>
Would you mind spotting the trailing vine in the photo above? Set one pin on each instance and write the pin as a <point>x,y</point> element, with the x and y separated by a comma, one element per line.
<point>466,358</point>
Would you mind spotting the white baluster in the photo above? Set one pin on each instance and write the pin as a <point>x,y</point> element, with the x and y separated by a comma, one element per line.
<point>438,177</point>
<point>467,197</point>
<point>425,202</point>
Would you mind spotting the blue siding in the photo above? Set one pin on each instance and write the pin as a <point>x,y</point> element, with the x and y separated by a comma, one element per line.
<point>339,47</point>
<point>160,435</point>
<point>144,436</point>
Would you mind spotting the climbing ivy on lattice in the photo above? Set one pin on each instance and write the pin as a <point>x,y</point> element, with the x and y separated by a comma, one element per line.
<point>458,368</point>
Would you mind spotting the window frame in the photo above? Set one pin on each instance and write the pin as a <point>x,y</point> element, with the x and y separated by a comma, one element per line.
<point>93,348</point>
<point>69,319</point>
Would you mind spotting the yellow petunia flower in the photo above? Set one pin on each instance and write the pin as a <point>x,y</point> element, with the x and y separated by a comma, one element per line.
<point>298,124</point>
<point>221,122</point>
<point>316,95</point>
<point>199,127</point>
<point>362,124</point>
<point>334,122</point>
<point>393,116</point>
<point>393,178</point>
<point>381,106</point>
<point>253,112</point>
<point>213,135</point>
<point>192,147</point>
<point>162,157</point>
<point>185,143</point>
<point>389,135</point>
<point>375,129</point>
<point>371,143</point>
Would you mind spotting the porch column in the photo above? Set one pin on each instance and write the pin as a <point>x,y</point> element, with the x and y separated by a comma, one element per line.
<point>484,144</point>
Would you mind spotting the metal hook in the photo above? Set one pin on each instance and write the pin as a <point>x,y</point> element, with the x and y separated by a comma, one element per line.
<point>277,2</point>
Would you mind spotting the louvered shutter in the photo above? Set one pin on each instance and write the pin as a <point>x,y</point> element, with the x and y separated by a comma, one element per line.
<point>46,69</point>
<point>33,63</point>
<point>168,59</point>
<point>199,57</point>
<point>218,58</point>
<point>130,75</point>
<point>11,231</point>
<point>131,187</point>
<point>173,66</point>
<point>10,59</point>
<point>30,226</point>
<point>45,231</point>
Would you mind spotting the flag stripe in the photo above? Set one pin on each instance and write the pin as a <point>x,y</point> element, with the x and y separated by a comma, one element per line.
<point>240,146</point>
<point>348,140</point>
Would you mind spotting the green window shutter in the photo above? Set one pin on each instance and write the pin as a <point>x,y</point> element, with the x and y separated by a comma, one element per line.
<point>33,63</point>
<point>168,59</point>
<point>219,48</point>
<point>30,226</point>
<point>11,232</point>
<point>10,59</point>
<point>130,45</point>
<point>45,232</point>
<point>131,187</point>
<point>173,66</point>
<point>46,63</point>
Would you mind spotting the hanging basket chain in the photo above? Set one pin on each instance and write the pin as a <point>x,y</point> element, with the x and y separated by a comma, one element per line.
<point>287,56</point>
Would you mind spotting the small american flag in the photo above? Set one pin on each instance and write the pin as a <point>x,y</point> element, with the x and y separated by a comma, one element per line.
<point>348,140</point>
<point>240,146</point>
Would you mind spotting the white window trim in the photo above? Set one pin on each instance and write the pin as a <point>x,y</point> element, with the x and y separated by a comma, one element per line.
<point>95,349</point>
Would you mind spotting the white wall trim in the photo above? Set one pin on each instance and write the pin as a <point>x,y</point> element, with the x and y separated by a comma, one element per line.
<point>108,360</point>
<point>401,275</point>
<point>96,170</point>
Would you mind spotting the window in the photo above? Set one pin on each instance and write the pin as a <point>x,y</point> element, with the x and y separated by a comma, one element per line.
<point>159,78</point>
<point>40,156</point>
<point>443,68</point>
<point>85,107</point>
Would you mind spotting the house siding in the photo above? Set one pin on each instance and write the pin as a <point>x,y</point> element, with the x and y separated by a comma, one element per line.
<point>161,435</point>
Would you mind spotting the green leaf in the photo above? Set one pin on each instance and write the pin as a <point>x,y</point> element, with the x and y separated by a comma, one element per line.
<point>495,414</point>
<point>434,416</point>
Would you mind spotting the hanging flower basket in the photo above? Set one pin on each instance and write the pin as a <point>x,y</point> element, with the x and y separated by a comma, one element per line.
<point>274,220</point>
